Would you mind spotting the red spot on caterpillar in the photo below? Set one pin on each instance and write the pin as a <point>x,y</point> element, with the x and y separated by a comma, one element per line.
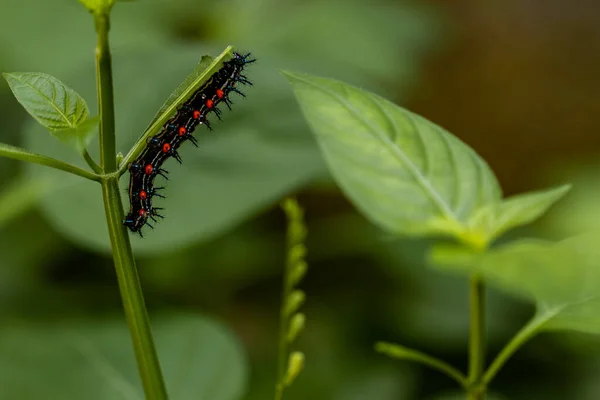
<point>166,148</point>
<point>182,130</point>
<point>142,212</point>
<point>148,169</point>
<point>220,93</point>
<point>196,114</point>
<point>209,103</point>
<point>143,194</point>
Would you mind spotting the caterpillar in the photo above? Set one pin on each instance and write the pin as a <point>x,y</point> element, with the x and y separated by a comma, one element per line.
<point>176,131</point>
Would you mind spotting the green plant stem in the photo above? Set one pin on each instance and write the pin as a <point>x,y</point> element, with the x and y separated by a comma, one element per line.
<point>127,275</point>
<point>91,163</point>
<point>131,294</point>
<point>24,155</point>
<point>104,88</point>
<point>404,353</point>
<point>476,391</point>
<point>526,333</point>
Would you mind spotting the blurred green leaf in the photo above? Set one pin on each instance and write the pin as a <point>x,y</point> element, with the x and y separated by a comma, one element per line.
<point>578,212</point>
<point>19,195</point>
<point>516,211</point>
<point>563,279</point>
<point>405,173</point>
<point>200,359</point>
<point>334,38</point>
<point>379,383</point>
<point>52,103</point>
<point>79,137</point>
<point>261,151</point>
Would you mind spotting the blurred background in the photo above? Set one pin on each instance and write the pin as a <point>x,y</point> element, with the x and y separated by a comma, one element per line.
<point>516,80</point>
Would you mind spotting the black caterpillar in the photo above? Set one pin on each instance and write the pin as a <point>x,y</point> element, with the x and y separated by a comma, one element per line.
<point>176,131</point>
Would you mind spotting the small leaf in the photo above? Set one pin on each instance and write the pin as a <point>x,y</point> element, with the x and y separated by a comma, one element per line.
<point>53,104</point>
<point>297,273</point>
<point>297,323</point>
<point>563,278</point>
<point>517,210</point>
<point>294,302</point>
<point>80,136</point>
<point>404,353</point>
<point>397,351</point>
<point>297,254</point>
<point>98,6</point>
<point>295,366</point>
<point>403,172</point>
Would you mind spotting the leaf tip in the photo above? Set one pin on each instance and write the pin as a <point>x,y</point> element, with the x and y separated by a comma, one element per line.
<point>289,75</point>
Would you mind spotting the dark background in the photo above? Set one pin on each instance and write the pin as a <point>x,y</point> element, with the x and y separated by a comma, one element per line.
<point>516,80</point>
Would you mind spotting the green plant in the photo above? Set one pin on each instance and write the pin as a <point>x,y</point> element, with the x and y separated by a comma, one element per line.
<point>66,115</point>
<point>291,321</point>
<point>413,178</point>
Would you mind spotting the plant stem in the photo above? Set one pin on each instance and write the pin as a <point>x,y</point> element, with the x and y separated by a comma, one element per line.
<point>24,155</point>
<point>476,391</point>
<point>404,353</point>
<point>104,88</point>
<point>131,294</point>
<point>127,275</point>
<point>526,333</point>
<point>91,163</point>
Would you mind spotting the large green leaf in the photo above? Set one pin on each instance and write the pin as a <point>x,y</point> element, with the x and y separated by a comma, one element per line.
<point>563,279</point>
<point>200,359</point>
<point>405,173</point>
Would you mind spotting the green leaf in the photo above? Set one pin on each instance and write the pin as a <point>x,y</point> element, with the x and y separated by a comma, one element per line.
<point>20,195</point>
<point>52,103</point>
<point>182,93</point>
<point>516,211</point>
<point>405,173</point>
<point>201,360</point>
<point>563,279</point>
<point>183,87</point>
<point>80,136</point>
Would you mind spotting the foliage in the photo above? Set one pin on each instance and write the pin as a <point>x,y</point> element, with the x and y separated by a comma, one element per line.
<point>411,177</point>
